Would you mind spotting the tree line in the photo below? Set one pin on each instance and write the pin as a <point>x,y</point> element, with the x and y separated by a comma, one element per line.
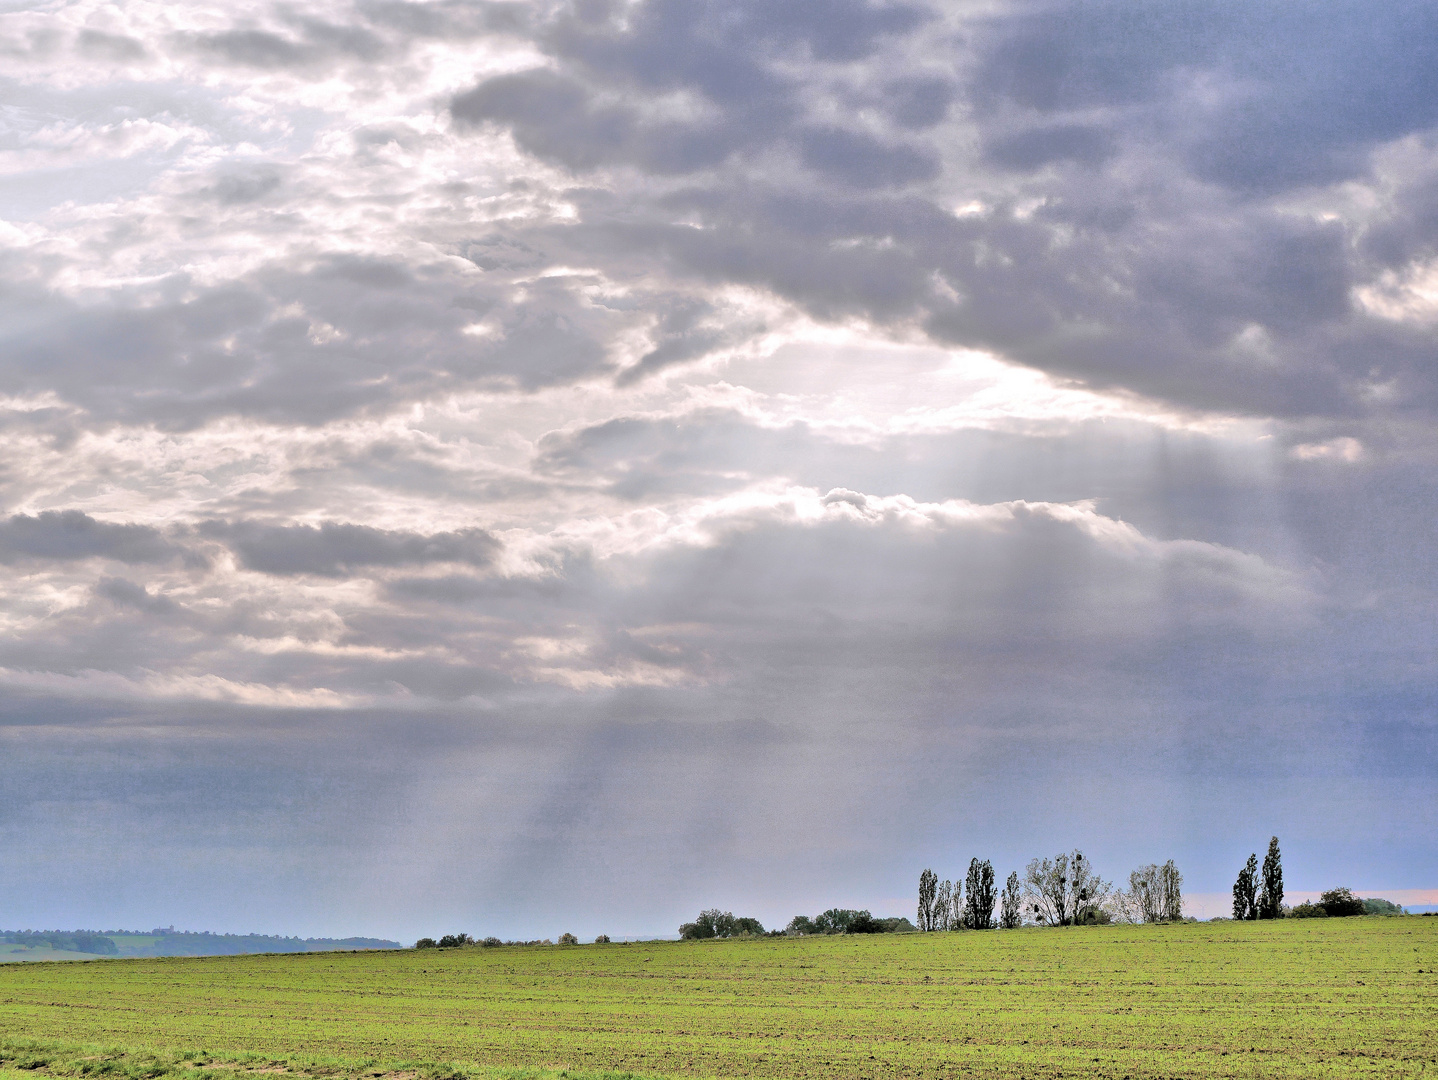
<point>1062,891</point>
<point>465,941</point>
<point>1258,894</point>
<point>1338,903</point>
<point>85,941</point>
<point>714,923</point>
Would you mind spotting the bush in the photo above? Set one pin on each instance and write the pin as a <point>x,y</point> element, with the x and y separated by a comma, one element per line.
<point>844,921</point>
<point>568,939</point>
<point>896,925</point>
<point>490,942</point>
<point>602,939</point>
<point>455,941</point>
<point>426,943</point>
<point>1340,903</point>
<point>1307,910</point>
<point>1373,906</point>
<point>720,924</point>
<point>99,944</point>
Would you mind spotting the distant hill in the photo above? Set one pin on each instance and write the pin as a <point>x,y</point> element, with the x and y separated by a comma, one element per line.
<point>73,944</point>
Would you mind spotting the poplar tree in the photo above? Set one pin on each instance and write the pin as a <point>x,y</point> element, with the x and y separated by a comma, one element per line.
<point>944,906</point>
<point>1270,897</point>
<point>1245,891</point>
<point>928,883</point>
<point>979,907</point>
<point>1012,916</point>
<point>1170,887</point>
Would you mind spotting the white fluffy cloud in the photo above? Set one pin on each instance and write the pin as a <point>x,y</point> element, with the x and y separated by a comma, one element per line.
<point>678,446</point>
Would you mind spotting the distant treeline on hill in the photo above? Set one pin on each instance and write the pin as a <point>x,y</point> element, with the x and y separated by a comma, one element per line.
<point>167,942</point>
<point>84,941</point>
<point>714,923</point>
<point>723,924</point>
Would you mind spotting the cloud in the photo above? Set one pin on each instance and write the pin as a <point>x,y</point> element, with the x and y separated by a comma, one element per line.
<point>1036,147</point>
<point>593,433</point>
<point>1074,275</point>
<point>303,343</point>
<point>68,535</point>
<point>118,48</point>
<point>1302,90</point>
<point>308,43</point>
<point>737,103</point>
<point>337,549</point>
<point>126,594</point>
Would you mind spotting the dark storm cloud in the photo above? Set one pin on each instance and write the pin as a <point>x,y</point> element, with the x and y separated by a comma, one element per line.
<point>1154,304</point>
<point>917,102</point>
<point>337,549</point>
<point>1106,280</point>
<point>68,535</point>
<point>863,161</point>
<point>1035,147</point>
<point>717,52</point>
<point>1110,238</point>
<point>1305,88</point>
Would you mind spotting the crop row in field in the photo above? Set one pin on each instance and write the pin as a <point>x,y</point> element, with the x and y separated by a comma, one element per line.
<point>1282,999</point>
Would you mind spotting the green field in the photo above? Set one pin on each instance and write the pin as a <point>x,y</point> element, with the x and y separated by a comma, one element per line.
<point>1297,998</point>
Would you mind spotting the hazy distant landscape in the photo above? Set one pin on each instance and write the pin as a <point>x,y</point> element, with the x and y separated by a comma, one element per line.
<point>91,944</point>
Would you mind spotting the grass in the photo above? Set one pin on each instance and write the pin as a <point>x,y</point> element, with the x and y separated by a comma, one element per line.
<point>1309,999</point>
<point>30,1059</point>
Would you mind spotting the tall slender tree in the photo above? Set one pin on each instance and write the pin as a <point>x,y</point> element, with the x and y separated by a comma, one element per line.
<point>1170,886</point>
<point>1270,896</point>
<point>1245,891</point>
<point>1013,914</point>
<point>979,907</point>
<point>1145,897</point>
<point>944,906</point>
<point>928,884</point>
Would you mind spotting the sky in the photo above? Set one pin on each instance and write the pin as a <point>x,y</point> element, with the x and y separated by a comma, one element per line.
<point>526,467</point>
